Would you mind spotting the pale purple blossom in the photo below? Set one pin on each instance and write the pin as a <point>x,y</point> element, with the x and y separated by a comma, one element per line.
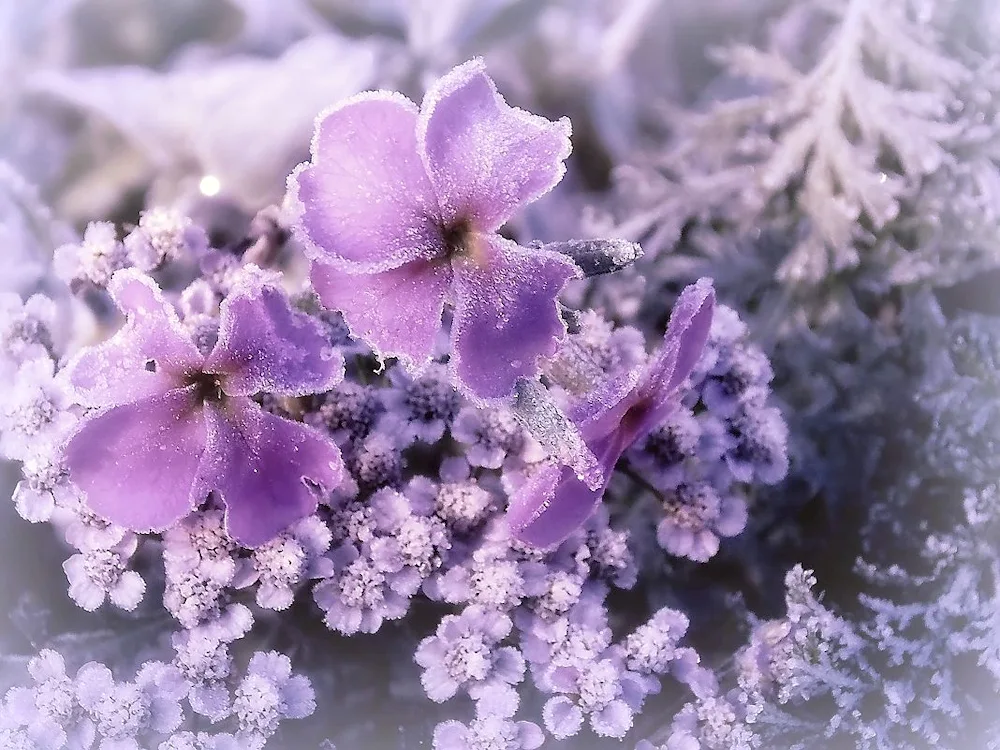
<point>97,575</point>
<point>163,236</point>
<point>399,210</point>
<point>757,445</point>
<point>652,647</point>
<point>603,690</point>
<point>269,694</point>
<point>611,557</point>
<point>48,710</point>
<point>348,412</point>
<point>193,592</point>
<point>491,578</point>
<point>465,654</point>
<point>663,455</point>
<point>124,712</point>
<point>294,556</point>
<point>44,487</point>
<point>694,519</point>
<point>92,261</point>
<point>175,425</point>
<point>377,462</point>
<point>35,418</point>
<point>203,658</point>
<point>555,501</point>
<point>26,329</point>
<point>365,591</point>
<point>424,405</point>
<point>488,435</point>
<point>492,729</point>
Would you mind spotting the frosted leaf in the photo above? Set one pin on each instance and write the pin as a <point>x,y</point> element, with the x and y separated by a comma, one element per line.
<point>556,433</point>
<point>598,257</point>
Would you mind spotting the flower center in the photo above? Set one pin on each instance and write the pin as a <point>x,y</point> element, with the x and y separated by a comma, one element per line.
<point>461,241</point>
<point>209,387</point>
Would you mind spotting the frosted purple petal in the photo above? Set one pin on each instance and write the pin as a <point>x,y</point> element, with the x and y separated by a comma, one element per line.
<point>264,345</point>
<point>365,199</point>
<point>486,158</point>
<point>136,463</point>
<point>548,507</point>
<point>258,463</point>
<point>397,311</point>
<point>687,332</point>
<point>149,355</point>
<point>506,315</point>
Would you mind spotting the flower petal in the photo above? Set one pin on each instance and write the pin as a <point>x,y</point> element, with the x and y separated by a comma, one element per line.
<point>687,332</point>
<point>506,315</point>
<point>633,404</point>
<point>485,157</point>
<point>396,312</point>
<point>136,463</point>
<point>265,345</point>
<point>365,201</point>
<point>149,354</point>
<point>258,462</point>
<point>550,506</point>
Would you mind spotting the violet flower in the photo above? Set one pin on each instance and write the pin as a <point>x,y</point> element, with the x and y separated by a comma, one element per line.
<point>554,501</point>
<point>175,424</point>
<point>399,210</point>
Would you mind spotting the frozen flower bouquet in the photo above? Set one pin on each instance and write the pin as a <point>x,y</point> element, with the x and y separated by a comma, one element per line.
<point>420,419</point>
<point>491,376</point>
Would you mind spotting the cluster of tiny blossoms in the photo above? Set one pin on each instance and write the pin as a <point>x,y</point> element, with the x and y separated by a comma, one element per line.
<point>271,446</point>
<point>163,705</point>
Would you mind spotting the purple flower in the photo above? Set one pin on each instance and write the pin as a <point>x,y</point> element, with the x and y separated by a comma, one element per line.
<point>163,236</point>
<point>44,487</point>
<point>293,556</point>
<point>488,435</point>
<point>555,501</point>
<point>125,712</point>
<point>174,424</point>
<point>48,710</point>
<point>604,690</point>
<point>100,574</point>
<point>424,406</point>
<point>26,329</point>
<point>492,728</point>
<point>34,418</point>
<point>268,695</point>
<point>653,646</point>
<point>92,261</point>
<point>464,653</point>
<point>695,517</point>
<point>399,210</point>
